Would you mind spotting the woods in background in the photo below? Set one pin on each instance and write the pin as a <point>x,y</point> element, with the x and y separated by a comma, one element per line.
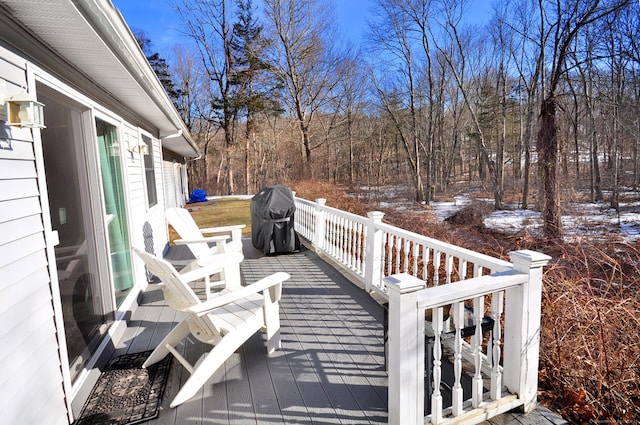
<point>543,101</point>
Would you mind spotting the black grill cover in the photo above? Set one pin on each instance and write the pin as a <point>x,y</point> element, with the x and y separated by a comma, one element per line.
<point>272,220</point>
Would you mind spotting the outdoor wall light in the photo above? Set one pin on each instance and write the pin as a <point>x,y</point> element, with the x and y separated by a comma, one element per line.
<point>140,148</point>
<point>24,111</point>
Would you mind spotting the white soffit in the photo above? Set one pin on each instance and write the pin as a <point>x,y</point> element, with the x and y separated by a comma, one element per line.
<point>93,37</point>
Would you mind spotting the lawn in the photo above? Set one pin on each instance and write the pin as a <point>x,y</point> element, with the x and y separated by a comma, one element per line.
<point>220,212</point>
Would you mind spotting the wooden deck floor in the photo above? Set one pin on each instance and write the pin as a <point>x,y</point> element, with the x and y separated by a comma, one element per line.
<point>330,369</point>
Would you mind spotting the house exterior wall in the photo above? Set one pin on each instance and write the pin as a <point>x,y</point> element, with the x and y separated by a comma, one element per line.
<point>175,179</point>
<point>30,363</point>
<point>35,383</point>
<point>148,223</point>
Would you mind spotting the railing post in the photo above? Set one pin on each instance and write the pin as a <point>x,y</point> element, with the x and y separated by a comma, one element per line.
<point>373,251</point>
<point>318,235</point>
<point>522,328</point>
<point>406,350</point>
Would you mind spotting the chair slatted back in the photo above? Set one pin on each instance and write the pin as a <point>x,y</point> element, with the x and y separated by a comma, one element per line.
<point>180,219</point>
<point>178,294</point>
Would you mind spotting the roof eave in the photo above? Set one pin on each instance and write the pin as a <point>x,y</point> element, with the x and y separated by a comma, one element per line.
<point>110,25</point>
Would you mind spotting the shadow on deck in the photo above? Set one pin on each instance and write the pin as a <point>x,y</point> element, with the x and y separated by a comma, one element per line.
<point>330,369</point>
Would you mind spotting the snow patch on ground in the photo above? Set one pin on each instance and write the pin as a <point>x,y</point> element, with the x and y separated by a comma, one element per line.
<point>585,220</point>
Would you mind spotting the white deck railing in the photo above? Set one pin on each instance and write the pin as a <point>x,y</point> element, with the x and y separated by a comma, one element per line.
<point>483,312</point>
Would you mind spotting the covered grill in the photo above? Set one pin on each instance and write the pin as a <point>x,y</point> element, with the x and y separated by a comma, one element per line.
<point>272,220</point>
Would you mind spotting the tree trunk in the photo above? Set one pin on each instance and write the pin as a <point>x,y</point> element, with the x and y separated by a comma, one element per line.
<point>548,168</point>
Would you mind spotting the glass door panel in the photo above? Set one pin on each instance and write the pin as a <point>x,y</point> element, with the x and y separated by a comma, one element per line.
<point>116,218</point>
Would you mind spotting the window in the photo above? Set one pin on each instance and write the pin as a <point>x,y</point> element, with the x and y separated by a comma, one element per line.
<point>149,173</point>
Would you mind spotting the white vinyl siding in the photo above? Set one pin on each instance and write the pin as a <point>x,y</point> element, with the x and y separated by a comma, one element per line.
<point>31,388</point>
<point>148,224</point>
<point>155,216</point>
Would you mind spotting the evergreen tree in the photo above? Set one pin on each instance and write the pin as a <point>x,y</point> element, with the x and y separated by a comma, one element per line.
<point>158,64</point>
<point>249,46</point>
<point>254,89</point>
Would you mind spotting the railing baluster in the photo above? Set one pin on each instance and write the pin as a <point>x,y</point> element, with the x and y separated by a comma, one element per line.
<point>415,249</point>
<point>448,266</point>
<point>405,254</point>
<point>363,244</point>
<point>336,236</point>
<point>477,385</point>
<point>351,252</point>
<point>397,262</point>
<point>330,233</point>
<point>388,243</point>
<point>463,269</point>
<point>496,374</point>
<point>357,257</point>
<point>353,245</point>
<point>457,391</point>
<point>345,241</point>
<point>436,268</point>
<point>477,270</point>
<point>341,240</point>
<point>436,397</point>
<point>425,263</point>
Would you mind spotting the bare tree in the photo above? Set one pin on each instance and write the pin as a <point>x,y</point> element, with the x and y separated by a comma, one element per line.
<point>305,58</point>
<point>350,94</point>
<point>527,61</point>
<point>207,23</point>
<point>566,19</point>
<point>419,13</point>
<point>455,53</point>
<point>398,90</point>
<point>193,104</point>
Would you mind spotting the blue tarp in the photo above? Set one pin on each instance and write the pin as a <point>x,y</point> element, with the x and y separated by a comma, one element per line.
<point>198,195</point>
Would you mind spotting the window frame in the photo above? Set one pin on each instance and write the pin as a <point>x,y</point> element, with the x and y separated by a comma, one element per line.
<point>148,164</point>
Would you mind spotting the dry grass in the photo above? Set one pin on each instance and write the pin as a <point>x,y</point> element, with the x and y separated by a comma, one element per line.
<point>590,356</point>
<point>335,195</point>
<point>220,212</point>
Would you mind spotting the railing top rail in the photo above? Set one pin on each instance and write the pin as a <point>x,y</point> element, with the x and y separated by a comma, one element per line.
<point>304,201</point>
<point>486,261</point>
<point>350,216</point>
<point>442,295</point>
<point>483,260</point>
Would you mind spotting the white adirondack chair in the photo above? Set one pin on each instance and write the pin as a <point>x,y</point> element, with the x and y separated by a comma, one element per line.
<point>226,239</point>
<point>225,321</point>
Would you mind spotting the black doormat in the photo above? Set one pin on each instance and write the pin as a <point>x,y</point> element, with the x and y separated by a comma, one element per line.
<point>126,393</point>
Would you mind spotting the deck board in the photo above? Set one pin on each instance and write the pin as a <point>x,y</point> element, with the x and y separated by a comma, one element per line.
<point>330,369</point>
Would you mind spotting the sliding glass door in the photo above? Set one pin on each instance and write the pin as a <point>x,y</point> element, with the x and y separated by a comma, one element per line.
<point>93,260</point>
<point>87,306</point>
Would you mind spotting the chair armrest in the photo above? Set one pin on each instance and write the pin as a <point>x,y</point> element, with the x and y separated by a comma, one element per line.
<point>223,229</point>
<point>206,260</point>
<point>237,294</point>
<point>212,265</point>
<point>215,239</point>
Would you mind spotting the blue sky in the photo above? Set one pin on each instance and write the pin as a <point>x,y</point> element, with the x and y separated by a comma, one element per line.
<point>160,22</point>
